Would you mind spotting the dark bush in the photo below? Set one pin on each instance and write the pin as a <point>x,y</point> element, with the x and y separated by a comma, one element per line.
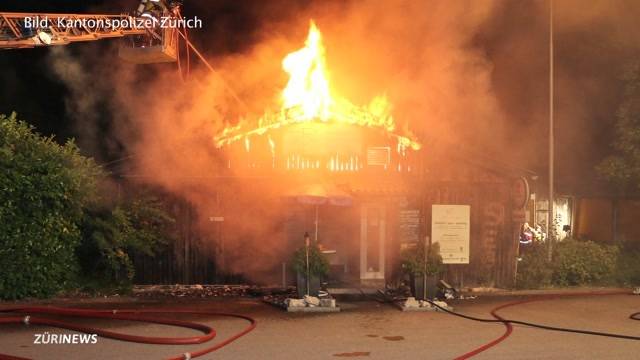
<point>534,270</point>
<point>318,262</point>
<point>110,236</point>
<point>578,262</point>
<point>43,189</point>
<point>628,267</point>
<point>413,260</point>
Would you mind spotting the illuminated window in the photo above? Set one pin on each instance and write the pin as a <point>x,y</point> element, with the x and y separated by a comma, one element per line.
<point>378,156</point>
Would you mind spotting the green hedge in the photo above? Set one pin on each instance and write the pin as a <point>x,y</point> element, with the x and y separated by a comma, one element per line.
<point>413,260</point>
<point>628,266</point>
<point>579,262</point>
<point>43,189</point>
<point>583,263</point>
<point>318,262</point>
<point>534,271</point>
<point>111,235</point>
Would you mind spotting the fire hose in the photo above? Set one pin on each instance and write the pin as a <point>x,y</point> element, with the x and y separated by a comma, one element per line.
<point>130,315</point>
<point>508,323</point>
<point>209,333</point>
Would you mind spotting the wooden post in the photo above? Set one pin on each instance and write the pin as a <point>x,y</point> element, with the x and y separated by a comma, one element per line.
<point>306,244</point>
<point>284,275</point>
<point>614,220</point>
<point>427,248</point>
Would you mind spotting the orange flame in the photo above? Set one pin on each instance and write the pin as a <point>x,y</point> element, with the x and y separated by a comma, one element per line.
<point>307,97</point>
<point>308,87</point>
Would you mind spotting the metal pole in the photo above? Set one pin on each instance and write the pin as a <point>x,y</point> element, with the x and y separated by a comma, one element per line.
<point>550,212</point>
<point>284,275</point>
<point>306,243</point>
<point>614,220</point>
<point>424,276</point>
<point>316,237</point>
<point>213,71</point>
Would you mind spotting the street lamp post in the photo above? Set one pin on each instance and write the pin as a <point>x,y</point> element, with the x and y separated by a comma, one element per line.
<point>550,213</point>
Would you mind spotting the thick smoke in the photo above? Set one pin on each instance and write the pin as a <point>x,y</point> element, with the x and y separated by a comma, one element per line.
<point>420,54</point>
<point>465,73</point>
<point>595,43</point>
<point>85,95</point>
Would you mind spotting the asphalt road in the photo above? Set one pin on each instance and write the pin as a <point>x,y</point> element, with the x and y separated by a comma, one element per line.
<point>364,330</point>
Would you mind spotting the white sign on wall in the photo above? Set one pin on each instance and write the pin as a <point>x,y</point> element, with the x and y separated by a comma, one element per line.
<point>450,228</point>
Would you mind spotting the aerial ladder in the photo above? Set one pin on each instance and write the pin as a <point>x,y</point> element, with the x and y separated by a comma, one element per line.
<point>147,41</point>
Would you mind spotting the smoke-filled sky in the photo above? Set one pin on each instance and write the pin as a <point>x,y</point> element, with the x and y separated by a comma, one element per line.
<point>465,74</point>
<point>471,73</point>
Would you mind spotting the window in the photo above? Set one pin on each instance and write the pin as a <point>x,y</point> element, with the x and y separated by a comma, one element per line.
<point>378,156</point>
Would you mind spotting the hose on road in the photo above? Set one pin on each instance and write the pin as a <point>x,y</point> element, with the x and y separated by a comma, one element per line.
<point>139,315</point>
<point>509,327</point>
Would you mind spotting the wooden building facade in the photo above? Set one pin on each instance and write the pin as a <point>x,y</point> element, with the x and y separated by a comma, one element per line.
<point>392,188</point>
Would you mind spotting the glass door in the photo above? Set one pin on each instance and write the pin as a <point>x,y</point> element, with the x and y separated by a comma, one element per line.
<point>372,240</point>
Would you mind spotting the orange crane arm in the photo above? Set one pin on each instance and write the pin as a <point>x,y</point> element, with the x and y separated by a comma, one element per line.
<point>27,30</point>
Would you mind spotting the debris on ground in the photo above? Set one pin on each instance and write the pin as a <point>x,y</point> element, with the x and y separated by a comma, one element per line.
<point>190,291</point>
<point>446,290</point>
<point>311,300</point>
<point>411,302</point>
<point>290,302</point>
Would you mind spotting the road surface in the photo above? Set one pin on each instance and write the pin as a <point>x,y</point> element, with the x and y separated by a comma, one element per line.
<point>364,330</point>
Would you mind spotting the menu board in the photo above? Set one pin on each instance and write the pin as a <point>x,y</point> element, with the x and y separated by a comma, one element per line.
<point>409,225</point>
<point>450,228</point>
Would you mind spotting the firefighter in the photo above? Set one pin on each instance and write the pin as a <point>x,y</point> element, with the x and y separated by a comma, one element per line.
<point>539,234</point>
<point>152,11</point>
<point>527,234</point>
<point>150,8</point>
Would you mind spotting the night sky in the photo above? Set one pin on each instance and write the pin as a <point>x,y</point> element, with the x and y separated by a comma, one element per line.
<point>28,87</point>
<point>591,56</point>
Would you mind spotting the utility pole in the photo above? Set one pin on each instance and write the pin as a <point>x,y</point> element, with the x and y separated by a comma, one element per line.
<point>550,213</point>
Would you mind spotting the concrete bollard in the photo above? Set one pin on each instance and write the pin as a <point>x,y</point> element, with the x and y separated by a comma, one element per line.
<point>328,302</point>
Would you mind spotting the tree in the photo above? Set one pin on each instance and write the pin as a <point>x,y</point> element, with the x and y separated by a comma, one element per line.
<point>55,228</point>
<point>44,187</point>
<point>623,168</point>
<point>111,234</point>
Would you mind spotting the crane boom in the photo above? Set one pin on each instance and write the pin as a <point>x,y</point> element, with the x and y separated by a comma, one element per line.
<point>27,30</point>
<point>150,41</point>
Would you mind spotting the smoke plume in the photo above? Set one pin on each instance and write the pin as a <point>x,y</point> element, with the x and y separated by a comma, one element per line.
<point>468,74</point>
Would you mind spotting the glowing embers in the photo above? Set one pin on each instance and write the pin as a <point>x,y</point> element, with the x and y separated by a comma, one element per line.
<point>334,163</point>
<point>308,97</point>
<point>322,147</point>
<point>299,162</point>
<point>345,163</point>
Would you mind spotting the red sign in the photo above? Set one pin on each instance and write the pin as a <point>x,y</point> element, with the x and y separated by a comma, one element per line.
<point>520,193</point>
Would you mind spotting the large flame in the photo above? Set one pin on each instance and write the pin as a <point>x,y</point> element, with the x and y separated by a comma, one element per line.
<point>308,97</point>
<point>308,87</point>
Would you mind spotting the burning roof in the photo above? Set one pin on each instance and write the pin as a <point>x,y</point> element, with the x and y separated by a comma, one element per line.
<point>307,97</point>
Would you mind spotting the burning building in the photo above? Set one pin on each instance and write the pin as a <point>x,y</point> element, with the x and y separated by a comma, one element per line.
<point>361,186</point>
